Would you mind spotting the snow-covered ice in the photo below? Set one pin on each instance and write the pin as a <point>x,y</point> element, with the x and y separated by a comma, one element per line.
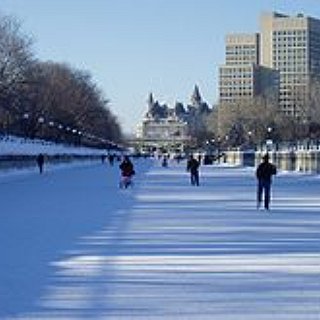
<point>75,246</point>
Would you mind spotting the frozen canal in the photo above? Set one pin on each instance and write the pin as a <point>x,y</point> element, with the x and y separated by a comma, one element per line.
<point>74,246</point>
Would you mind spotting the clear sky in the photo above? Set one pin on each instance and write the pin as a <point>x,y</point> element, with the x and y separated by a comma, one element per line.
<point>133,47</point>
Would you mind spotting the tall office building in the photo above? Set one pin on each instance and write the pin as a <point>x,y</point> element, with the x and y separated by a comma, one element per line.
<point>242,77</point>
<point>283,58</point>
<point>291,45</point>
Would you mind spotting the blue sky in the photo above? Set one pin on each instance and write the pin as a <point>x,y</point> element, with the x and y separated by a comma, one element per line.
<point>133,47</point>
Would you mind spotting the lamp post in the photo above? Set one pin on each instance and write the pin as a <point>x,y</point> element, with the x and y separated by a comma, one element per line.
<point>60,133</point>
<point>226,138</point>
<point>207,148</point>
<point>79,137</point>
<point>249,138</point>
<point>75,135</point>
<point>25,118</point>
<point>41,122</point>
<point>269,141</point>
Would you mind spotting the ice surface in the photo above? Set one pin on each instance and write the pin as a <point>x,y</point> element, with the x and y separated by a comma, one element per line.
<point>75,246</point>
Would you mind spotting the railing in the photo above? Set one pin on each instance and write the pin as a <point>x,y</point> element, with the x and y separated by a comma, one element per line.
<point>286,159</point>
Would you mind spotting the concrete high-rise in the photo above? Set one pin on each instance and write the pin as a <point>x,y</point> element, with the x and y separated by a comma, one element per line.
<point>284,58</point>
<point>242,76</point>
<point>291,45</point>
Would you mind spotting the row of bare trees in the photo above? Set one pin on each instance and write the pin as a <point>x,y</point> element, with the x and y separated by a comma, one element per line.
<point>253,121</point>
<point>47,99</point>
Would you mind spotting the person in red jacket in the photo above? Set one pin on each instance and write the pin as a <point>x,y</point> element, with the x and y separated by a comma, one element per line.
<point>264,174</point>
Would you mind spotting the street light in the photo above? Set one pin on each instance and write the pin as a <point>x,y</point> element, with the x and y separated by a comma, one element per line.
<point>249,138</point>
<point>269,141</point>
<point>59,133</point>
<point>41,120</point>
<point>25,118</point>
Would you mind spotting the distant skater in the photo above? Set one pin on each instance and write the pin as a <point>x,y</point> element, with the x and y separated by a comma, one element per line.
<point>193,168</point>
<point>111,159</point>
<point>199,159</point>
<point>127,171</point>
<point>40,162</point>
<point>264,174</point>
<point>164,161</point>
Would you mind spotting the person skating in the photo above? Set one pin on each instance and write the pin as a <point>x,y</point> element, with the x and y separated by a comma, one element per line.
<point>164,161</point>
<point>127,171</point>
<point>264,174</point>
<point>111,159</point>
<point>40,162</point>
<point>193,168</point>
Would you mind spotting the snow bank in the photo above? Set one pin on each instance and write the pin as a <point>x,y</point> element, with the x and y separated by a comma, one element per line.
<point>11,145</point>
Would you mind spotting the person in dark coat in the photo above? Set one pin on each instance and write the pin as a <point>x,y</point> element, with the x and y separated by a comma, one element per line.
<point>40,162</point>
<point>264,174</point>
<point>127,171</point>
<point>193,168</point>
<point>111,159</point>
<point>164,161</point>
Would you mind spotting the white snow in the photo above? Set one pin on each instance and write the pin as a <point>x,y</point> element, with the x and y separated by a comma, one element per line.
<point>11,145</point>
<point>75,246</point>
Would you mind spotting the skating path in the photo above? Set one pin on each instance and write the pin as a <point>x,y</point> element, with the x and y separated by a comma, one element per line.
<point>174,251</point>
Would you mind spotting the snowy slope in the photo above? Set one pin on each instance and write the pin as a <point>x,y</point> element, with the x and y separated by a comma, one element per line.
<point>10,145</point>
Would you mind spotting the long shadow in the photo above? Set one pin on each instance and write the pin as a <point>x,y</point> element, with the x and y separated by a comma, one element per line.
<point>172,251</point>
<point>44,218</point>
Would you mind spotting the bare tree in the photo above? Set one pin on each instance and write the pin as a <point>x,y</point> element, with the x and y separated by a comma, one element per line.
<point>312,109</point>
<point>15,59</point>
<point>69,99</point>
<point>246,121</point>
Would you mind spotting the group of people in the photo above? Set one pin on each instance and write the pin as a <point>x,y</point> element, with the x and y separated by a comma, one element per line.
<point>126,167</point>
<point>264,174</point>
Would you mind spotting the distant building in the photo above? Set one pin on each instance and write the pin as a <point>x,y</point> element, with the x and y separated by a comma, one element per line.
<point>162,129</point>
<point>171,128</point>
<point>291,45</point>
<point>281,60</point>
<point>242,76</point>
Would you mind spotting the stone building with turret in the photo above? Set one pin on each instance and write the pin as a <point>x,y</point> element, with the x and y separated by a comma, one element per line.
<point>171,129</point>
<point>162,129</point>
